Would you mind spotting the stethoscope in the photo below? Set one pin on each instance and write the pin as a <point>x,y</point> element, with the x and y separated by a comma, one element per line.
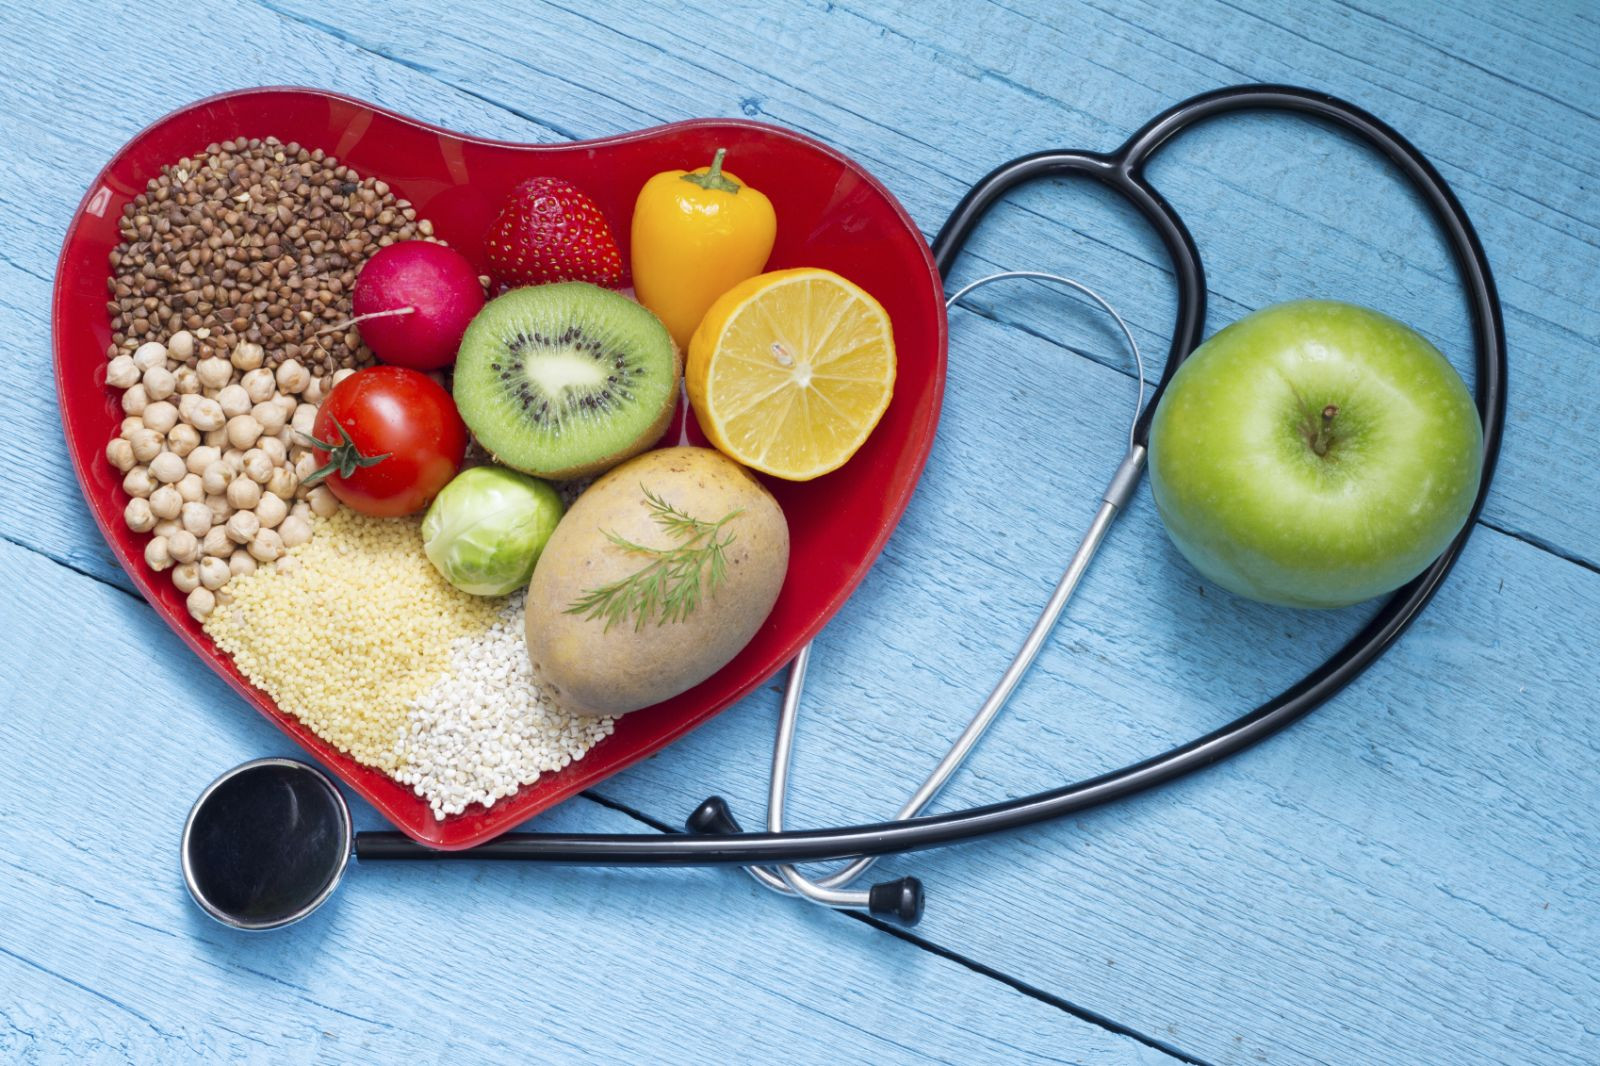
<point>268,841</point>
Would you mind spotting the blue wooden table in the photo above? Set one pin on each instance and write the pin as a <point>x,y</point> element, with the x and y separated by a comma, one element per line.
<point>1407,876</point>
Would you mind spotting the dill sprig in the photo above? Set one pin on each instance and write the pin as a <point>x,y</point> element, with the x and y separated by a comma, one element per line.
<point>669,587</point>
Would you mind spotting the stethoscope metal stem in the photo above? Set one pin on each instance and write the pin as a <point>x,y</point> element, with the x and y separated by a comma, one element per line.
<point>829,890</point>
<point>789,881</point>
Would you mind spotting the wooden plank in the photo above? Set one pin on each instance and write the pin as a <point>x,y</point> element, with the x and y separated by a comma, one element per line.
<point>1369,887</point>
<point>102,955</point>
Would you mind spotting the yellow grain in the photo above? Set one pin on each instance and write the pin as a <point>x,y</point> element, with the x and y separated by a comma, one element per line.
<point>348,639</point>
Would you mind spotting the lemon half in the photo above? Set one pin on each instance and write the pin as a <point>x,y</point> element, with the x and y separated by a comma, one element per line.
<point>790,371</point>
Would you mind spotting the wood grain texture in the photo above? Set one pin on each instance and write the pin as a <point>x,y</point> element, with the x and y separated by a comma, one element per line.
<point>1405,877</point>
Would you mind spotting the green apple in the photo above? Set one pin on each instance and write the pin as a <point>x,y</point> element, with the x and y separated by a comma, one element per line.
<point>1315,454</point>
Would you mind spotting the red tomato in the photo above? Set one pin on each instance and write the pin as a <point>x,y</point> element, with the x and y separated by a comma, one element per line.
<point>391,440</point>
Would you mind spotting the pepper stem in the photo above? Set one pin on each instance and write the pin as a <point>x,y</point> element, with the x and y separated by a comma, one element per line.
<point>713,178</point>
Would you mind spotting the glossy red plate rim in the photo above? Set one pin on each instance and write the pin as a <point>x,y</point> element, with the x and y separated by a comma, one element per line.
<point>582,773</point>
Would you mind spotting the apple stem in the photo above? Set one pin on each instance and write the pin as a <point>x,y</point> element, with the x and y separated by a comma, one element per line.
<point>347,323</point>
<point>1322,437</point>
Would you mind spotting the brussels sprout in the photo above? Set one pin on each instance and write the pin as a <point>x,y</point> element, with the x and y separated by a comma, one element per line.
<point>486,528</point>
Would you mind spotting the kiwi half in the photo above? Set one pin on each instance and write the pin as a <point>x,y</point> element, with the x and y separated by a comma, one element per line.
<point>566,380</point>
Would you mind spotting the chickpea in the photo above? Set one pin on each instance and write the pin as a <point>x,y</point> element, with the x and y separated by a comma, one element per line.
<point>215,544</point>
<point>165,502</point>
<point>184,546</point>
<point>282,483</point>
<point>269,416</point>
<point>156,554</point>
<point>213,572</point>
<point>243,527</point>
<point>304,419</point>
<point>243,431</point>
<point>234,400</point>
<point>150,354</point>
<point>195,518</point>
<point>188,382</point>
<point>138,515</point>
<point>122,372</point>
<point>159,382</point>
<point>300,509</point>
<point>340,375</point>
<point>160,416</point>
<point>294,531</point>
<point>273,449</point>
<point>146,444</point>
<point>134,400</point>
<point>215,478</point>
<point>129,424</point>
<point>138,482</point>
<point>259,385</point>
<point>323,502</point>
<point>167,468</point>
<point>201,602</point>
<point>214,373</point>
<point>191,488</point>
<point>119,453</point>
<point>266,545</point>
<point>286,564</point>
<point>187,577</point>
<point>257,465</point>
<point>207,415</point>
<point>217,438</point>
<point>180,345</point>
<point>314,391</point>
<point>243,493</point>
<point>241,562</point>
<point>271,511</point>
<point>202,457</point>
<point>247,356</point>
<point>292,377</point>
<point>182,439</point>
<point>165,527</point>
<point>221,509</point>
<point>304,466</point>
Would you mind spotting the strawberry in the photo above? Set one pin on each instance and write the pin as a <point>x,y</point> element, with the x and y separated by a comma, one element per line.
<point>550,231</point>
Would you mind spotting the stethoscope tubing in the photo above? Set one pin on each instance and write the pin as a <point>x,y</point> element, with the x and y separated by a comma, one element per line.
<point>1123,171</point>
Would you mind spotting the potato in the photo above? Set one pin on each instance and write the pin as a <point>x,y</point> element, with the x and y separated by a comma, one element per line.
<point>598,665</point>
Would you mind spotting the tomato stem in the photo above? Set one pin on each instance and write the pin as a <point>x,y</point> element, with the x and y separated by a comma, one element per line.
<point>344,458</point>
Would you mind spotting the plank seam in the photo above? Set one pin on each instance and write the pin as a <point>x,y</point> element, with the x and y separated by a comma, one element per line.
<point>1535,541</point>
<point>76,569</point>
<point>1078,1011</point>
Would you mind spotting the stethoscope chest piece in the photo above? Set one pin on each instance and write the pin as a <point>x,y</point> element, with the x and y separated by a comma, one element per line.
<point>266,844</point>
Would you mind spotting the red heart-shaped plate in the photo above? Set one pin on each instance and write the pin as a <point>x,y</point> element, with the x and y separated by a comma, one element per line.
<point>831,213</point>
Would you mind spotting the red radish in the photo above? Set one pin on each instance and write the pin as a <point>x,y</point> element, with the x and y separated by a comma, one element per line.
<point>413,301</point>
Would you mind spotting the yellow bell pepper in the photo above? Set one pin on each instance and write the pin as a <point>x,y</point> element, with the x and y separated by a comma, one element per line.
<point>697,234</point>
